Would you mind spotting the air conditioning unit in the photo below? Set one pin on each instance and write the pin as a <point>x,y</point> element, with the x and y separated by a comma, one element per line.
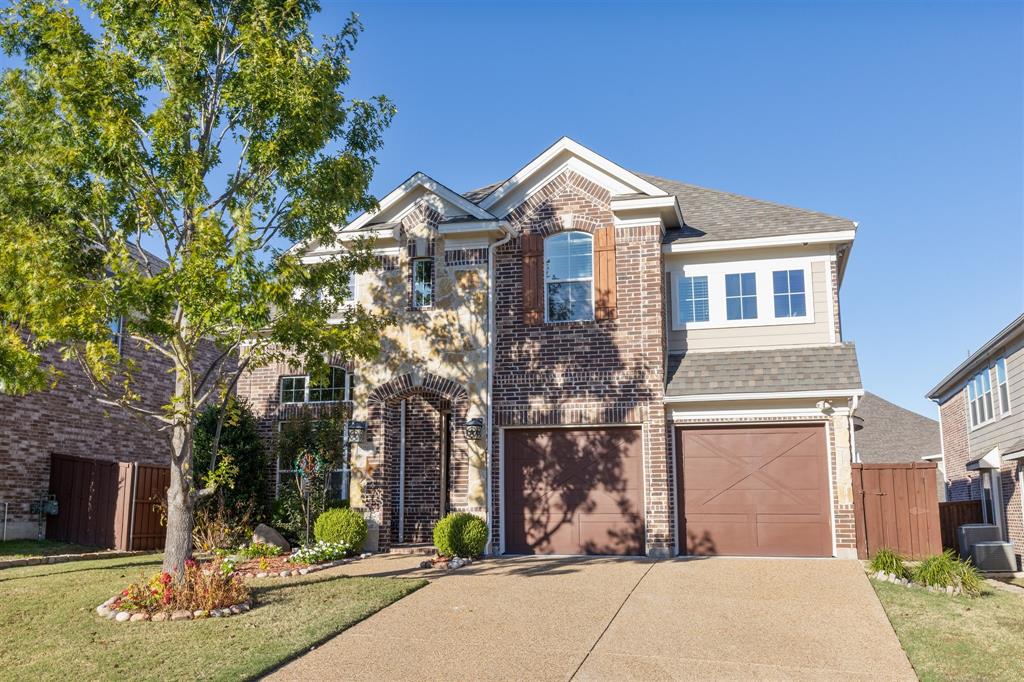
<point>994,556</point>
<point>971,534</point>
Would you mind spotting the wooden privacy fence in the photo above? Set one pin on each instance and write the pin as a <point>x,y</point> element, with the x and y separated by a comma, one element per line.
<point>107,504</point>
<point>896,507</point>
<point>952,515</point>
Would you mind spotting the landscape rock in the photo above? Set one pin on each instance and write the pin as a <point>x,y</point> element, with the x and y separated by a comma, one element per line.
<point>262,574</point>
<point>181,615</point>
<point>200,613</point>
<point>137,617</point>
<point>268,536</point>
<point>102,610</point>
<point>285,574</point>
<point>303,571</point>
<point>122,616</point>
<point>426,564</point>
<point>159,617</point>
<point>236,609</point>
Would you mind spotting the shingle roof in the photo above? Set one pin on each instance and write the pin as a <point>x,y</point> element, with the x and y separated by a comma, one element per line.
<point>810,368</point>
<point>711,214</point>
<point>894,434</point>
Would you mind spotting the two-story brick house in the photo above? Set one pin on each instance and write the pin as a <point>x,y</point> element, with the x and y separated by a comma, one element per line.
<point>983,431</point>
<point>658,367</point>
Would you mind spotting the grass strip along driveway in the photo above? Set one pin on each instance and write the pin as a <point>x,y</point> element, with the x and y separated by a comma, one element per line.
<point>50,629</point>
<point>958,638</point>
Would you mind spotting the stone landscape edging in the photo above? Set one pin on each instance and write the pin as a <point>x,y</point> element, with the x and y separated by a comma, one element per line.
<point>105,611</point>
<point>62,558</point>
<point>306,570</point>
<point>884,577</point>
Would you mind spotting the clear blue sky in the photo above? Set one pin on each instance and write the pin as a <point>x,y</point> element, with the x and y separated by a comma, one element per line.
<point>905,116</point>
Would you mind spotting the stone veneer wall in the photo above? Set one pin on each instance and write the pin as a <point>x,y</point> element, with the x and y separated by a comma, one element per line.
<point>598,372</point>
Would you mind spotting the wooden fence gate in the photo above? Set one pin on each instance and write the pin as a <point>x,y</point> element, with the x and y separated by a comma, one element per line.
<point>896,507</point>
<point>952,515</point>
<point>107,504</point>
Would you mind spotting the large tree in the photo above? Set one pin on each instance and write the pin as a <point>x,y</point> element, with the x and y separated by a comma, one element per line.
<point>208,132</point>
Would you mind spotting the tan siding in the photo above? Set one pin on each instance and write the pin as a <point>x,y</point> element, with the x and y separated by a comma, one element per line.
<point>813,333</point>
<point>1005,429</point>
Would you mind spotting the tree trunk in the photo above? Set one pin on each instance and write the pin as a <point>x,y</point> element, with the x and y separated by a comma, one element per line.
<point>178,546</point>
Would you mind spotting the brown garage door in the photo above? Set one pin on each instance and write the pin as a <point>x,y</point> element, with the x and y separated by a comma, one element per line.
<point>755,491</point>
<point>574,491</point>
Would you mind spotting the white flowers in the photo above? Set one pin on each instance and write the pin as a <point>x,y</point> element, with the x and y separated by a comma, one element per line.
<point>320,552</point>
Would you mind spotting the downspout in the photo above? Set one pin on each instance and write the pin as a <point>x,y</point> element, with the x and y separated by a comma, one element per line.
<point>854,457</point>
<point>491,334</point>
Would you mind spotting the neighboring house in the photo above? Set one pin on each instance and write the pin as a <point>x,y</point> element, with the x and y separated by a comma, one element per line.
<point>885,433</point>
<point>981,409</point>
<point>654,368</point>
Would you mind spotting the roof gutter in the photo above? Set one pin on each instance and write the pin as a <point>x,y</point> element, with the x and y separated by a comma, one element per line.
<point>964,367</point>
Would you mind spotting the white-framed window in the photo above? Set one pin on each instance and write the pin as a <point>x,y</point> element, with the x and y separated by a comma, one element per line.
<point>742,293</point>
<point>285,473</point>
<point>789,292</point>
<point>979,394</point>
<point>569,277</point>
<point>350,290</point>
<point>692,295</point>
<point>117,332</point>
<point>741,296</point>
<point>1003,386</point>
<point>300,389</point>
<point>422,282</point>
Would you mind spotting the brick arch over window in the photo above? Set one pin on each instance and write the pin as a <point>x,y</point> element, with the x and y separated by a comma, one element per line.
<point>566,222</point>
<point>431,404</point>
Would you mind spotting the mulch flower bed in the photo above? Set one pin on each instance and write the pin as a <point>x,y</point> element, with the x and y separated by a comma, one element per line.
<point>280,567</point>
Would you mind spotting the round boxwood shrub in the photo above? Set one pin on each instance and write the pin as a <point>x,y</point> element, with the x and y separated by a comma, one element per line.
<point>341,525</point>
<point>460,534</point>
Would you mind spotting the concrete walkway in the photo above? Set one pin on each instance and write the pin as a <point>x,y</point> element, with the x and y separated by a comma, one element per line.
<point>607,618</point>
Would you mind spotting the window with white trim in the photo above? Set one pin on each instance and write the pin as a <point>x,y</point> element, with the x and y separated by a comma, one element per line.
<point>117,332</point>
<point>692,295</point>
<point>741,296</point>
<point>979,394</point>
<point>569,276</point>
<point>1003,385</point>
<point>350,290</point>
<point>790,297</point>
<point>422,282</point>
<point>300,389</point>
<point>286,473</point>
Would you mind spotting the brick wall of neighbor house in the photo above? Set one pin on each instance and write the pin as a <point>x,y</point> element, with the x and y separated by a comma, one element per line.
<point>600,372</point>
<point>68,420</point>
<point>956,448</point>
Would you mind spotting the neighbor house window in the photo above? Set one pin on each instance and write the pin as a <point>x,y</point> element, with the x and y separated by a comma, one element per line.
<point>790,299</point>
<point>300,389</point>
<point>692,295</point>
<point>569,276</point>
<point>1004,389</point>
<point>423,283</point>
<point>979,394</point>
<point>741,296</point>
<point>117,332</point>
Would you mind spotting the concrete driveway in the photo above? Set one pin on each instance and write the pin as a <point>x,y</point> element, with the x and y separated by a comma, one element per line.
<point>606,618</point>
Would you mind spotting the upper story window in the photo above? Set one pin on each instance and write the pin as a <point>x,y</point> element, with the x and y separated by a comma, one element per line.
<point>1004,388</point>
<point>117,332</point>
<point>422,282</point>
<point>350,290</point>
<point>569,277</point>
<point>979,394</point>
<point>693,299</point>
<point>300,389</point>
<point>741,296</point>
<point>788,286</point>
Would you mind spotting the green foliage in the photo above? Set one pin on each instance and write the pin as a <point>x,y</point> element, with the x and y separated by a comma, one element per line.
<point>211,134</point>
<point>460,534</point>
<point>257,550</point>
<point>341,525</point>
<point>302,499</point>
<point>949,570</point>
<point>242,482</point>
<point>888,561</point>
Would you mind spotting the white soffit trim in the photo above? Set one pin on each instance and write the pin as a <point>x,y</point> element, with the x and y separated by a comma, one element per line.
<point>991,460</point>
<point>420,179</point>
<point>474,227</point>
<point>566,144</point>
<point>775,395</point>
<point>682,246</point>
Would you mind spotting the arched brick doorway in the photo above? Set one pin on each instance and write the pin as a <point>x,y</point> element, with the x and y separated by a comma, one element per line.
<point>420,463</point>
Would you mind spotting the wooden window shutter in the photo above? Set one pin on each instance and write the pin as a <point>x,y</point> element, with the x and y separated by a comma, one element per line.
<point>604,274</point>
<point>533,278</point>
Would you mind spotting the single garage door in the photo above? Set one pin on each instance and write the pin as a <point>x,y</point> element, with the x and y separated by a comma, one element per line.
<point>755,491</point>
<point>574,491</point>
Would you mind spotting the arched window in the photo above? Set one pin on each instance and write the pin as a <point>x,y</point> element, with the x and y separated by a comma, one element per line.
<point>569,277</point>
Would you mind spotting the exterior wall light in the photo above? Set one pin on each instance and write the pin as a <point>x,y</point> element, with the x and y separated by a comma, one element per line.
<point>475,428</point>
<point>356,431</point>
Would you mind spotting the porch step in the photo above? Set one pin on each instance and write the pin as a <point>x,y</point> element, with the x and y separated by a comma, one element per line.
<point>421,548</point>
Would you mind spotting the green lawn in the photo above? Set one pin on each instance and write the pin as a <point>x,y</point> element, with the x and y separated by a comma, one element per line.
<point>958,638</point>
<point>21,549</point>
<point>50,629</point>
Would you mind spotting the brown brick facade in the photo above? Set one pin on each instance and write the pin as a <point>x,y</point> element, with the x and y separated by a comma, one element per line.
<point>596,372</point>
<point>956,448</point>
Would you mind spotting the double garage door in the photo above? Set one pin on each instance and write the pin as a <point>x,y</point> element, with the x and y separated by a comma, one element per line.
<point>753,491</point>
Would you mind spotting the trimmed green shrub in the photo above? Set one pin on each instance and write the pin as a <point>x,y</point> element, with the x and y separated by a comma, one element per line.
<point>341,525</point>
<point>949,570</point>
<point>460,534</point>
<point>888,561</point>
<point>258,550</point>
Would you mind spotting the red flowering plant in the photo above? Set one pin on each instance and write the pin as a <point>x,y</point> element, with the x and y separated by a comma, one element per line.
<point>198,589</point>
